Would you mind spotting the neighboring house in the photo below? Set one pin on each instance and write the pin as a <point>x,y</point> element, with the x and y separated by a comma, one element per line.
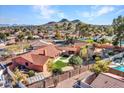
<point>38,43</point>
<point>11,40</point>
<point>37,59</point>
<point>80,45</point>
<point>98,51</point>
<point>103,80</point>
<point>68,50</point>
<point>108,80</point>
<point>48,50</point>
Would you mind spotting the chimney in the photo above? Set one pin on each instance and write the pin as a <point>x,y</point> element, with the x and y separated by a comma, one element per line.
<point>45,52</point>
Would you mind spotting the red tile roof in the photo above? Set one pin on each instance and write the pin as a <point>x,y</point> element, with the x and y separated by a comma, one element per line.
<point>32,58</point>
<point>39,56</point>
<point>80,44</point>
<point>48,50</point>
<point>107,46</point>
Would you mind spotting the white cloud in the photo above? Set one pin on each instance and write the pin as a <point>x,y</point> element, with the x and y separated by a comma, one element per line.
<point>48,12</point>
<point>97,11</point>
<point>105,10</point>
<point>45,11</point>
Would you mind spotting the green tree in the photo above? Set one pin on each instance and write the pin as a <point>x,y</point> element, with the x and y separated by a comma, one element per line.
<point>31,73</point>
<point>83,52</point>
<point>70,40</point>
<point>58,35</point>
<point>20,36</point>
<point>30,36</point>
<point>20,77</point>
<point>7,34</point>
<point>118,25</point>
<point>99,67</point>
<point>77,27</point>
<point>3,36</point>
<point>57,27</point>
<point>75,60</point>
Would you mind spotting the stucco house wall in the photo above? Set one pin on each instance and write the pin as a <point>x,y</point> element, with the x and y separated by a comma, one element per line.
<point>21,61</point>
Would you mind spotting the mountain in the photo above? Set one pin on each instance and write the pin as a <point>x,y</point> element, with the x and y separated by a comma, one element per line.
<point>76,21</point>
<point>64,20</point>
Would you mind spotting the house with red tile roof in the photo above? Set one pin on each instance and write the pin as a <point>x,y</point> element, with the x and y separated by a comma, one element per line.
<point>68,50</point>
<point>48,50</point>
<point>37,59</point>
<point>31,61</point>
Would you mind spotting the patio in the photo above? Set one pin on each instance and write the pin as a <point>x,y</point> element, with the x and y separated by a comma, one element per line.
<point>63,59</point>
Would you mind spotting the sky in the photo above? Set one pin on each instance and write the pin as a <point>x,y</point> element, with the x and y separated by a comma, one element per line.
<point>40,14</point>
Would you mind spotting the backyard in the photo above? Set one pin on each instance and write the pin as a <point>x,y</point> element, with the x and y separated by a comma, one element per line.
<point>61,62</point>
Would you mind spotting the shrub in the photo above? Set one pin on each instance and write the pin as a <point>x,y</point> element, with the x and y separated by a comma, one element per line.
<point>89,41</point>
<point>19,76</point>
<point>111,53</point>
<point>75,60</point>
<point>56,71</point>
<point>97,58</point>
<point>83,52</point>
<point>31,73</point>
<point>100,66</point>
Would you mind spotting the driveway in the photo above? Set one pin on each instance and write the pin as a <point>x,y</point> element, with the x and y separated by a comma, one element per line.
<point>70,82</point>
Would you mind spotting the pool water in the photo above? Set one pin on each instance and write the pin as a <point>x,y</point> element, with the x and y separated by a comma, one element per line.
<point>122,43</point>
<point>120,68</point>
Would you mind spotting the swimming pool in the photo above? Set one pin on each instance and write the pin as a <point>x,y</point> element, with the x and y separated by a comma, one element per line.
<point>120,68</point>
<point>122,43</point>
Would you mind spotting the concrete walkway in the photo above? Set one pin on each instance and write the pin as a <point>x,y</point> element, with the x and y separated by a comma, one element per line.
<point>70,82</point>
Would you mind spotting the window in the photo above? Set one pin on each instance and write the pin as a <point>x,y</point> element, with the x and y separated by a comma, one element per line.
<point>26,64</point>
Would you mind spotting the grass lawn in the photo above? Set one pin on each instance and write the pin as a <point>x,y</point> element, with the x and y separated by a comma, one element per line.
<point>59,64</point>
<point>89,41</point>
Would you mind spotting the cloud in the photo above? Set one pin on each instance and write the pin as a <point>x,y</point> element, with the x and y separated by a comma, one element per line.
<point>105,10</point>
<point>48,12</point>
<point>97,11</point>
<point>45,11</point>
